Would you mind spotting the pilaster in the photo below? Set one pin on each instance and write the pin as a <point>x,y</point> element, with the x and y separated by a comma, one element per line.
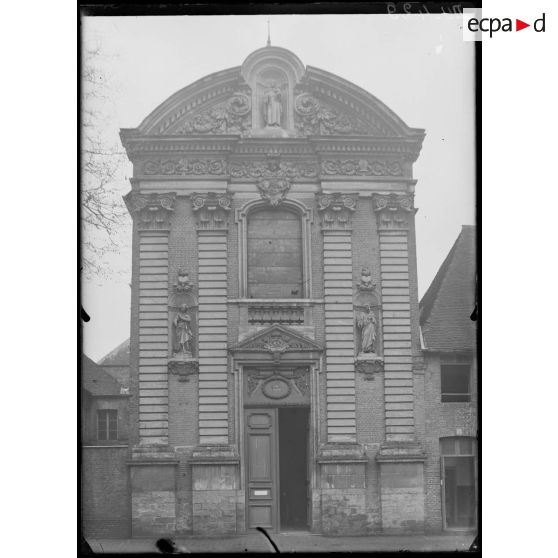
<point>152,213</point>
<point>336,210</point>
<point>212,211</point>
<point>393,212</point>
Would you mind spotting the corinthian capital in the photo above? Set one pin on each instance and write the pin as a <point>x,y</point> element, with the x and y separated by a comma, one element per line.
<point>393,210</point>
<point>336,210</point>
<point>212,210</point>
<point>151,210</point>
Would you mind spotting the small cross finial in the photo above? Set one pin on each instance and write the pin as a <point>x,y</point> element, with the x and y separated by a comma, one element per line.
<point>268,34</point>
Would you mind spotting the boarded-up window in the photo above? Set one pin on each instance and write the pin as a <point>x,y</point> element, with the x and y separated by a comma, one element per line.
<point>274,254</point>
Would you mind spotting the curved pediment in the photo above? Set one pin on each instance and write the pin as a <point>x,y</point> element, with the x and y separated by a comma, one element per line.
<point>273,95</point>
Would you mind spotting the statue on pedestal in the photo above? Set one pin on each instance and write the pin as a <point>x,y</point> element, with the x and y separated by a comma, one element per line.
<point>182,333</point>
<point>272,105</point>
<point>366,323</point>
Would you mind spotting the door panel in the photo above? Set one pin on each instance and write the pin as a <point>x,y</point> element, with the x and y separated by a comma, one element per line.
<point>262,478</point>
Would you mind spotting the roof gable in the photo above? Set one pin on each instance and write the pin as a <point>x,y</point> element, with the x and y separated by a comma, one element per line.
<point>446,307</point>
<point>96,381</point>
<point>119,356</point>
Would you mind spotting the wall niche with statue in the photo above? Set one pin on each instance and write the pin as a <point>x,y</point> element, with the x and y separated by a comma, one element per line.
<point>183,313</point>
<point>367,312</point>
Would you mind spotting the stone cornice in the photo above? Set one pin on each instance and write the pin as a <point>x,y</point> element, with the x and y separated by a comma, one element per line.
<point>401,148</point>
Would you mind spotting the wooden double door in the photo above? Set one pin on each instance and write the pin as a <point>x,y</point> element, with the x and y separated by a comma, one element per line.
<point>278,495</point>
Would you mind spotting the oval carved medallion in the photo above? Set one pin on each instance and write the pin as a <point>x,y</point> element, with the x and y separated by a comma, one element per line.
<point>276,388</point>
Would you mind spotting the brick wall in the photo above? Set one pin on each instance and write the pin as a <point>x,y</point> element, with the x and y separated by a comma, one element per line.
<point>105,492</point>
<point>442,420</point>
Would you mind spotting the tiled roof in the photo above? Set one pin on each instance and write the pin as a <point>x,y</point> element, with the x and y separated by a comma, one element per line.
<point>446,307</point>
<point>96,381</point>
<point>117,357</point>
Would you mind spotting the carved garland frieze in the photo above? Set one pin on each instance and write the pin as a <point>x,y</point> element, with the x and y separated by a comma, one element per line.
<point>212,210</point>
<point>313,117</point>
<point>393,210</point>
<point>151,210</point>
<point>361,167</point>
<point>268,169</point>
<point>233,116</point>
<point>336,210</point>
<point>185,167</point>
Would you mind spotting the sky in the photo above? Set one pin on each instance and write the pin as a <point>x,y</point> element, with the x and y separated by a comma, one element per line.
<point>418,65</point>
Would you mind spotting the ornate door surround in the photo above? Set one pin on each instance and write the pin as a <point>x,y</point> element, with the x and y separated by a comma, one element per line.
<point>277,367</point>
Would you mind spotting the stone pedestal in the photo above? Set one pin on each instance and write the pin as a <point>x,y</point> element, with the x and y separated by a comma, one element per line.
<point>153,490</point>
<point>343,490</point>
<point>402,487</point>
<point>217,506</point>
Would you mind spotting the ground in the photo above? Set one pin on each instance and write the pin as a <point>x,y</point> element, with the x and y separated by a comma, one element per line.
<point>296,542</point>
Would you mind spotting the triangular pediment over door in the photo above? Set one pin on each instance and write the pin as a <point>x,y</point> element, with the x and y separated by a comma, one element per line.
<point>277,344</point>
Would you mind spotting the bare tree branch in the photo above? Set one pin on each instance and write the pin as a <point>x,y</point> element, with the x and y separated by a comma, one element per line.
<point>104,217</point>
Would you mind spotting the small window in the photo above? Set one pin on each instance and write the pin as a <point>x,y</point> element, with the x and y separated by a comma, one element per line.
<point>456,383</point>
<point>107,420</point>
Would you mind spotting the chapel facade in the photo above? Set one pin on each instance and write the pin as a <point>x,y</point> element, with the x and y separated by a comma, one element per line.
<point>277,376</point>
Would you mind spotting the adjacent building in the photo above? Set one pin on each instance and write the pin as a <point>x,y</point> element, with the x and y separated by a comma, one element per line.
<point>450,388</point>
<point>278,376</point>
<point>104,435</point>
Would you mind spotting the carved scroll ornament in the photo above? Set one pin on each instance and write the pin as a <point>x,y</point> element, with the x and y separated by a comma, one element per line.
<point>234,116</point>
<point>312,118</point>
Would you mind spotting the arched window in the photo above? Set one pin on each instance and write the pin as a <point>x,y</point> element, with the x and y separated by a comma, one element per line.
<point>274,253</point>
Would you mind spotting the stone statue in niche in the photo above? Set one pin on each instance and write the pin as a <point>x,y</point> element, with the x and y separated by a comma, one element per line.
<point>366,324</point>
<point>273,106</point>
<point>182,345</point>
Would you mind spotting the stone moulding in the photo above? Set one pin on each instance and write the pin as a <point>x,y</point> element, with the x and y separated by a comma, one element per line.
<point>183,368</point>
<point>400,451</point>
